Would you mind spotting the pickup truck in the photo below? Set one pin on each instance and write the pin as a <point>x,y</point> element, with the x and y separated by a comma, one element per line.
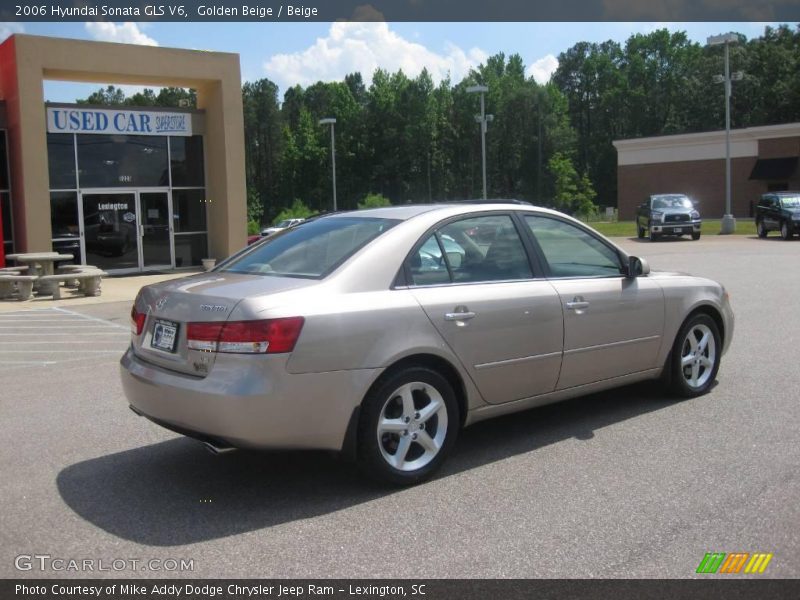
<point>668,214</point>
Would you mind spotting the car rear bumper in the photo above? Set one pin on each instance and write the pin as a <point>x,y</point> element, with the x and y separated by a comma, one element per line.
<point>677,228</point>
<point>248,401</point>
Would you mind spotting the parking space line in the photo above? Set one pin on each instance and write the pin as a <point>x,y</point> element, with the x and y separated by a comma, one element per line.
<point>89,318</point>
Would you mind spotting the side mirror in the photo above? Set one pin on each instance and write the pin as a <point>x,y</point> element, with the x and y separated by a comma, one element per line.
<point>637,267</point>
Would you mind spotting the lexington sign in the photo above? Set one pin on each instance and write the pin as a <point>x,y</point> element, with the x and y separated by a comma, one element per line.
<point>109,121</point>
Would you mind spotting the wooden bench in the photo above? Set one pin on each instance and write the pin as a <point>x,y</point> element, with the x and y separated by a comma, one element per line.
<point>24,285</point>
<point>89,282</point>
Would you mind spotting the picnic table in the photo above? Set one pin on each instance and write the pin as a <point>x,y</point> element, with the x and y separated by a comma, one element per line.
<point>41,264</point>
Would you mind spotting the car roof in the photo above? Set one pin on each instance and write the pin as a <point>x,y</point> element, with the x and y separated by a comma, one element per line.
<point>668,196</point>
<point>782,194</point>
<point>408,211</point>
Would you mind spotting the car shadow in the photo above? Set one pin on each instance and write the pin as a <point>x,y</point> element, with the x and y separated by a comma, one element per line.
<point>671,239</point>
<point>174,492</point>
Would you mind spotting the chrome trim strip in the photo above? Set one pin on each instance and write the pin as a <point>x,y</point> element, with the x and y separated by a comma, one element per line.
<point>513,361</point>
<point>649,338</point>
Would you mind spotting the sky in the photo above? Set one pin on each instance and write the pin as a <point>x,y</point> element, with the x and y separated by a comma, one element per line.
<point>303,53</point>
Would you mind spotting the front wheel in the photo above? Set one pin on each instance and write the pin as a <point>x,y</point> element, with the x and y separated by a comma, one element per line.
<point>654,236</point>
<point>786,231</point>
<point>761,229</point>
<point>408,424</point>
<point>695,236</point>
<point>695,357</point>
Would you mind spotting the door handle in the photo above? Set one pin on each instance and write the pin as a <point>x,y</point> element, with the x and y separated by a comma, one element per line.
<point>459,316</point>
<point>577,303</point>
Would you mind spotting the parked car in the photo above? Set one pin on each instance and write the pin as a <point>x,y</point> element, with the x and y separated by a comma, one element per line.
<point>348,334</point>
<point>252,239</point>
<point>778,211</point>
<point>668,214</point>
<point>285,224</point>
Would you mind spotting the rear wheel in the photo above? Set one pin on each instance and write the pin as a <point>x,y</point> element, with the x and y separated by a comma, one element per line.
<point>695,356</point>
<point>786,231</point>
<point>408,424</point>
<point>761,229</point>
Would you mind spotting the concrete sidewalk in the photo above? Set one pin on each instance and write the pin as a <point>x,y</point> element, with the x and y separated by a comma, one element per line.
<point>114,289</point>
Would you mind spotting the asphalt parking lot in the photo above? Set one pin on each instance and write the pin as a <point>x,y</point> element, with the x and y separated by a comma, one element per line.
<point>628,483</point>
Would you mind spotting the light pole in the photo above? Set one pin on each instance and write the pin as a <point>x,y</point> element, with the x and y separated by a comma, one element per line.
<point>728,221</point>
<point>483,119</point>
<point>331,121</point>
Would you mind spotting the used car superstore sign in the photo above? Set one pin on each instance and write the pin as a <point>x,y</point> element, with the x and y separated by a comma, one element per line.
<point>103,121</point>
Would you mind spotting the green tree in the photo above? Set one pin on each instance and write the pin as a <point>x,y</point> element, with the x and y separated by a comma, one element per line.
<point>574,193</point>
<point>374,201</point>
<point>298,210</point>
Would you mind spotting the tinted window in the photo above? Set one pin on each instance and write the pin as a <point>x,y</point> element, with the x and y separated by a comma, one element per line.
<point>478,249</point>
<point>5,211</point>
<point>312,249</point>
<point>427,264</point>
<point>64,214</point>
<point>672,202</point>
<point>61,161</point>
<point>186,155</point>
<point>122,160</point>
<point>189,210</point>
<point>572,252</point>
<point>790,201</point>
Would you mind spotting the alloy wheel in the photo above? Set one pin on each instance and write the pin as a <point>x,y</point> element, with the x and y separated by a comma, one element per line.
<point>412,426</point>
<point>698,355</point>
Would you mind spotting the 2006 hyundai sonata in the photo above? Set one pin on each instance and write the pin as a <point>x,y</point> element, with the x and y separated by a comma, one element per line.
<point>381,333</point>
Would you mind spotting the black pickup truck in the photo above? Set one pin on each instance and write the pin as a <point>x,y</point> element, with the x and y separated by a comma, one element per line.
<point>778,211</point>
<point>668,214</point>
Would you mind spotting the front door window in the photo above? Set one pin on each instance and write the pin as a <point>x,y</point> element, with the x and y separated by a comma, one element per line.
<point>110,230</point>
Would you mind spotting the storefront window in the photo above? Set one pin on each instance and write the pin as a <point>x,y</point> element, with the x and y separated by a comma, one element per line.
<point>189,210</point>
<point>122,161</point>
<point>186,154</point>
<point>190,248</point>
<point>64,214</point>
<point>61,161</point>
<point>8,243</point>
<point>4,184</point>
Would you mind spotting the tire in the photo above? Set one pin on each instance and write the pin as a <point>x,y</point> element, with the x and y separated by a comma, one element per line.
<point>786,231</point>
<point>695,236</point>
<point>693,362</point>
<point>654,236</point>
<point>761,229</point>
<point>394,419</point>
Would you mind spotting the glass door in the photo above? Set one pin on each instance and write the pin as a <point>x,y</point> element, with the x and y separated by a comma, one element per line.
<point>155,228</point>
<point>110,230</point>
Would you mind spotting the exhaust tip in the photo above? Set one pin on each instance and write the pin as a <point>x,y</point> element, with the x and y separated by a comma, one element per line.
<point>217,449</point>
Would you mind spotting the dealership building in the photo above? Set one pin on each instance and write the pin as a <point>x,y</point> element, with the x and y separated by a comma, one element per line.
<point>763,159</point>
<point>126,189</point>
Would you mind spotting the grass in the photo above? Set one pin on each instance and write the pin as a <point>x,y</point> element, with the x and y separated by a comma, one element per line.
<point>744,226</point>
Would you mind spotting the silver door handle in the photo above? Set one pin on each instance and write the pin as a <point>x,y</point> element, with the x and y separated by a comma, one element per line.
<point>577,305</point>
<point>459,316</point>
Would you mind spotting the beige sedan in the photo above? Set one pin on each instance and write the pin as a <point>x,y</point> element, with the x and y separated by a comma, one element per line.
<point>381,333</point>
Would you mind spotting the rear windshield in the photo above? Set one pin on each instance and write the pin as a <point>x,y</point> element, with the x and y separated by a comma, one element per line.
<point>310,250</point>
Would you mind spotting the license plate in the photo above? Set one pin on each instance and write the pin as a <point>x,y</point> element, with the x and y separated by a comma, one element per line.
<point>165,335</point>
<point>678,230</point>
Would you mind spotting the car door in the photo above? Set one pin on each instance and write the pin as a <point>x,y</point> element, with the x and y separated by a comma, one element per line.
<point>474,280</point>
<point>613,324</point>
<point>643,214</point>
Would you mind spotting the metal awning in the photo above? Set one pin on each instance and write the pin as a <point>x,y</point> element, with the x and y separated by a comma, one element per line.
<point>774,168</point>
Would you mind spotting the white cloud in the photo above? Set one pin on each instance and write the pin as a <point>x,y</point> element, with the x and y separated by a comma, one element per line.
<point>364,47</point>
<point>542,69</point>
<point>9,29</point>
<point>123,33</point>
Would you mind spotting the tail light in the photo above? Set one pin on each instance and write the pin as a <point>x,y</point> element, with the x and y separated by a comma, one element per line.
<point>268,336</point>
<point>137,321</point>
